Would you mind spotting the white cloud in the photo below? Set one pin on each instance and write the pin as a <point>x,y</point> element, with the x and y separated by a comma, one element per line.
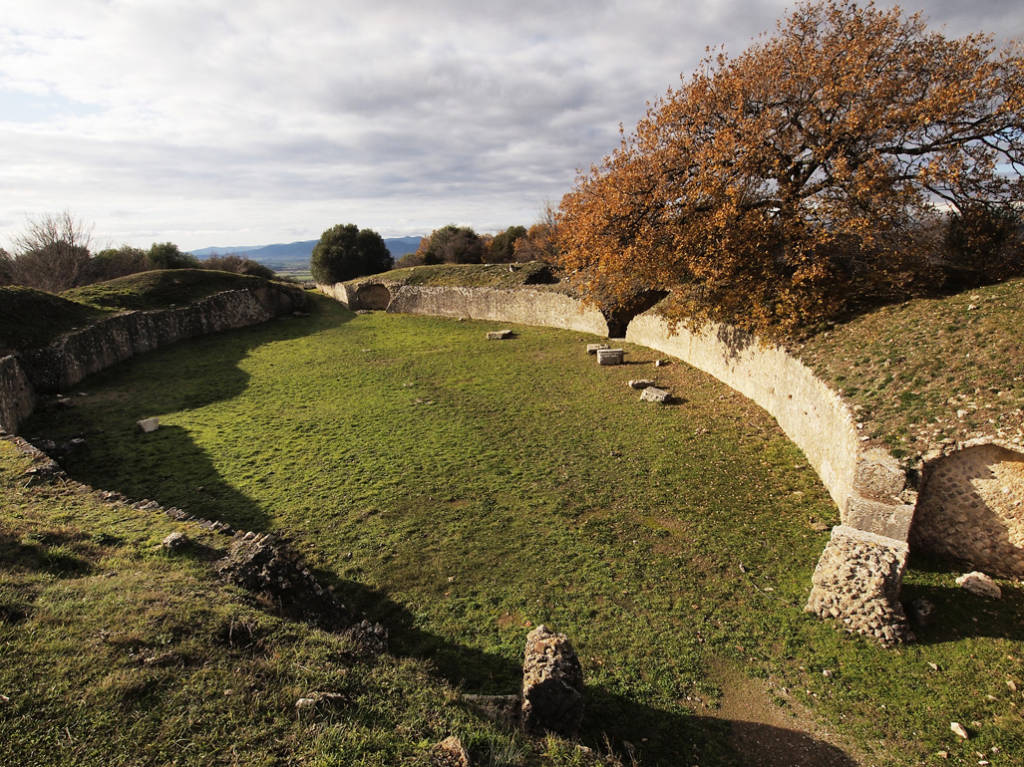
<point>209,123</point>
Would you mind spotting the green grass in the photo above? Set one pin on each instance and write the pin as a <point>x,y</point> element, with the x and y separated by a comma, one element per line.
<point>461,491</point>
<point>159,289</point>
<point>534,273</point>
<point>31,318</point>
<point>930,371</point>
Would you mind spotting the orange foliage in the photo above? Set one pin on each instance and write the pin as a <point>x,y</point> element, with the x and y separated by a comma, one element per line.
<point>784,186</point>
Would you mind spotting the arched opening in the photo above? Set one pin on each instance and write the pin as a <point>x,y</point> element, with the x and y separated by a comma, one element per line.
<point>372,295</point>
<point>971,509</point>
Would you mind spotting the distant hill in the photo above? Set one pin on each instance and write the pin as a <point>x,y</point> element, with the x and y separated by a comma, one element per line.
<point>284,255</point>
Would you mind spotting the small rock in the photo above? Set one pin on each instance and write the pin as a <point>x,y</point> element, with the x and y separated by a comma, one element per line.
<point>305,703</point>
<point>921,611</point>
<point>660,363</point>
<point>1011,685</point>
<point>175,541</point>
<point>654,394</point>
<point>933,666</point>
<point>148,425</point>
<point>959,730</point>
<point>980,585</point>
<point>4,700</point>
<point>499,335</point>
<point>595,348</point>
<point>640,383</point>
<point>449,753</point>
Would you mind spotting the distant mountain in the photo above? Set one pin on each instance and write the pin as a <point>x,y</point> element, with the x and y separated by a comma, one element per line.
<point>283,255</point>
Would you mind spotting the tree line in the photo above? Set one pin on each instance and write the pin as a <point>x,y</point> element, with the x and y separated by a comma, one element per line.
<point>53,254</point>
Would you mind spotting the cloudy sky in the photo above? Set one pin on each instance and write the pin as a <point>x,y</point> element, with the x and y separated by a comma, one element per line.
<point>207,123</point>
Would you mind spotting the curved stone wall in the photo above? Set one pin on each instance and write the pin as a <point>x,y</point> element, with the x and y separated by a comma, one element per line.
<point>523,306</point>
<point>75,355</point>
<point>868,486</point>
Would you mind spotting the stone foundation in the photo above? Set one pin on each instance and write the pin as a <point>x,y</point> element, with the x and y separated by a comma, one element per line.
<point>857,582</point>
<point>971,509</point>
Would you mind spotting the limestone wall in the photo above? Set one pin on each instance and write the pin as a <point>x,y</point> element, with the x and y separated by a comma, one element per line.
<point>971,508</point>
<point>523,306</point>
<point>74,356</point>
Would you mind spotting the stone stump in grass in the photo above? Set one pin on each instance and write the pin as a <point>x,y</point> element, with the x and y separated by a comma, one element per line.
<point>552,684</point>
<point>857,582</point>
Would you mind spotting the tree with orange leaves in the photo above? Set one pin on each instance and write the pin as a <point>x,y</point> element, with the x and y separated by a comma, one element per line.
<point>788,185</point>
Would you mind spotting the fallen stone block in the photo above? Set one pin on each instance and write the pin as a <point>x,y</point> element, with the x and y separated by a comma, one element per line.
<point>610,356</point>
<point>499,335</point>
<point>889,519</point>
<point>640,383</point>
<point>552,684</point>
<point>595,348</point>
<point>654,394</point>
<point>148,424</point>
<point>449,753</point>
<point>980,585</point>
<point>857,582</point>
<point>175,541</point>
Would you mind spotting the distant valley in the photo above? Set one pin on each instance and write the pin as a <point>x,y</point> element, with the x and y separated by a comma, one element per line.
<point>293,255</point>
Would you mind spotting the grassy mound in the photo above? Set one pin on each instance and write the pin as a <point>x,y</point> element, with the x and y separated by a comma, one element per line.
<point>534,274</point>
<point>460,491</point>
<point>118,653</point>
<point>30,318</point>
<point>930,371</point>
<point>159,289</point>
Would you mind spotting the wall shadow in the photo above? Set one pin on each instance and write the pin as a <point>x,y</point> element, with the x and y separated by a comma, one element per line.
<point>958,613</point>
<point>185,476</point>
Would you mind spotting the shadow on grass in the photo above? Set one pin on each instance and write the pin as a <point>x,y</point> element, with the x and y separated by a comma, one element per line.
<point>186,476</point>
<point>958,613</point>
<point>651,736</point>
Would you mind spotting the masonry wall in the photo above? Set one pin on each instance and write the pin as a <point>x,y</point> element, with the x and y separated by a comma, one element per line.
<point>74,356</point>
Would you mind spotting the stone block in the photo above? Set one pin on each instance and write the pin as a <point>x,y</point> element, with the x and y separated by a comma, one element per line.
<point>879,476</point>
<point>552,684</point>
<point>980,585</point>
<point>499,335</point>
<point>654,394</point>
<point>640,383</point>
<point>149,424</point>
<point>610,356</point>
<point>595,348</point>
<point>857,582</point>
<point>891,520</point>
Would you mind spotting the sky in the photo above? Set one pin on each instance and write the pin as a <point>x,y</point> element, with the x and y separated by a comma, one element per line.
<point>209,123</point>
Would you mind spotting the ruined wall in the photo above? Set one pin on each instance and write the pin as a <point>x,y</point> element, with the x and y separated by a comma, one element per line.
<point>971,508</point>
<point>523,306</point>
<point>75,355</point>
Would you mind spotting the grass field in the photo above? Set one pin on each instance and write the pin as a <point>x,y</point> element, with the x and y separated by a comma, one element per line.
<point>460,491</point>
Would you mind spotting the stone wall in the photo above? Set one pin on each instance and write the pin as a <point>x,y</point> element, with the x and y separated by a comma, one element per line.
<point>971,508</point>
<point>868,485</point>
<point>523,306</point>
<point>75,355</point>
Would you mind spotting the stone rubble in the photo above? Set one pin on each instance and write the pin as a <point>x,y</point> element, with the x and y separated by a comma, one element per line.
<point>654,394</point>
<point>552,684</point>
<point>175,541</point>
<point>449,753</point>
<point>640,383</point>
<point>148,425</point>
<point>499,335</point>
<point>980,585</point>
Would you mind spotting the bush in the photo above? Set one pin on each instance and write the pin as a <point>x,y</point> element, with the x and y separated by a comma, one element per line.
<point>451,245</point>
<point>345,252</point>
<point>237,265</point>
<point>503,247</point>
<point>52,254</point>
<point>111,263</point>
<point>167,255</point>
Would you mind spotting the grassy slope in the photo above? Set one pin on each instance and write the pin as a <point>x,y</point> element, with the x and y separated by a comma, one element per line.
<point>116,653</point>
<point>535,274</point>
<point>931,370</point>
<point>464,490</point>
<point>159,289</point>
<point>30,318</point>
